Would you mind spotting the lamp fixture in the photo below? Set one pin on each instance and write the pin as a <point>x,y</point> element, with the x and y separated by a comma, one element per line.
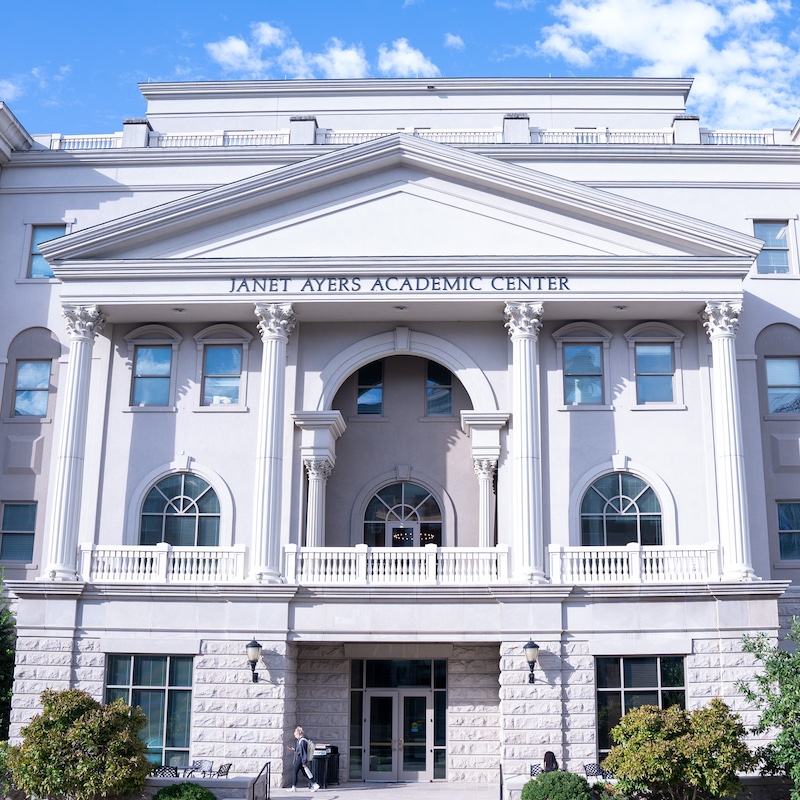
<point>531,651</point>
<point>253,655</point>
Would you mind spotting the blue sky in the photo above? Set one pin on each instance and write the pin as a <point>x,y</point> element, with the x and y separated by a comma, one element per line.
<point>74,67</point>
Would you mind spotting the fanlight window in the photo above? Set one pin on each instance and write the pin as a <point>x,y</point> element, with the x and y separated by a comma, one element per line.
<point>619,509</point>
<point>181,510</point>
<point>402,515</point>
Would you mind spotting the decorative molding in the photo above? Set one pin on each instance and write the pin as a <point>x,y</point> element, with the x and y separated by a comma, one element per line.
<point>524,319</point>
<point>721,319</point>
<point>83,322</point>
<point>275,320</point>
<point>485,467</point>
<point>318,469</point>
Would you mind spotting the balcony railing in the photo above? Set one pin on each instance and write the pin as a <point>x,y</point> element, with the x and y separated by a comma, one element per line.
<point>225,139</point>
<point>634,564</point>
<point>429,565</point>
<point>110,142</point>
<point>161,563</point>
<point>601,136</point>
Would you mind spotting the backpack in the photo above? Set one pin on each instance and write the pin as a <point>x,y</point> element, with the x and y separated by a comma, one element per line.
<point>310,748</point>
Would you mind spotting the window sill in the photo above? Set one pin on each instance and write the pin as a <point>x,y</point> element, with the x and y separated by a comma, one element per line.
<point>38,280</point>
<point>220,408</point>
<point>659,407</point>
<point>585,407</point>
<point>792,563</point>
<point>368,418</point>
<point>442,418</point>
<point>775,276</point>
<point>27,420</point>
<point>780,417</point>
<point>149,409</point>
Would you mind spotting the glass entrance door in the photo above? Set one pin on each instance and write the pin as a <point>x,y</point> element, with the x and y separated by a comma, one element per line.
<point>398,724</point>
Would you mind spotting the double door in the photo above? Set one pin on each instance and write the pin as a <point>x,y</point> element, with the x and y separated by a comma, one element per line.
<point>398,729</point>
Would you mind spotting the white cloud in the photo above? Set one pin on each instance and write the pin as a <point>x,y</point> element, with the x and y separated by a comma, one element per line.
<point>9,90</point>
<point>744,75</point>
<point>236,55</point>
<point>454,41</point>
<point>513,5</point>
<point>268,35</point>
<point>404,61</point>
<point>339,61</point>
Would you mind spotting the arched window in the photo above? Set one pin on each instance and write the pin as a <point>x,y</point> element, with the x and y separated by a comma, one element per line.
<point>618,509</point>
<point>183,510</point>
<point>402,515</point>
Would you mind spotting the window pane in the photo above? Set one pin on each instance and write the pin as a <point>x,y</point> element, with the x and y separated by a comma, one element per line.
<point>370,401</point>
<point>208,532</point>
<point>371,374</point>
<point>18,517</point>
<point>179,715</point>
<point>223,359</point>
<point>672,671</point>
<point>620,530</point>
<point>609,713</point>
<point>16,547</point>
<point>430,533</point>
<point>374,534</point>
<point>608,673</point>
<point>653,358</point>
<point>33,374</point>
<point>153,361</point>
<point>150,671</point>
<point>439,719</point>
<point>30,404</point>
<point>180,531</point>
<point>783,371</point>
<point>579,391</point>
<point>117,694</point>
<point>356,713</point>
<point>583,359</point>
<point>38,267</point>
<point>180,671</point>
<point>640,672</point>
<point>789,516</point>
<point>439,401</point>
<point>673,698</point>
<point>220,391</point>
<point>650,531</point>
<point>789,546</point>
<point>592,532</point>
<point>392,494</point>
<point>151,701</point>
<point>636,699</point>
<point>784,401</point>
<point>774,257</point>
<point>208,502</point>
<point>648,502</point>
<point>150,392</point>
<point>774,234</point>
<point>193,485</point>
<point>118,670</point>
<point>653,389</point>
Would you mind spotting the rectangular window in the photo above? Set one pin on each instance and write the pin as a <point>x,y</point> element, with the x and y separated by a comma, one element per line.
<point>18,525</point>
<point>783,385</point>
<point>32,388</point>
<point>583,374</point>
<point>152,367</point>
<point>37,266</point>
<point>789,531</point>
<point>370,389</point>
<point>439,391</point>
<point>624,683</point>
<point>655,370</point>
<point>162,687</point>
<point>222,374</point>
<point>774,255</point>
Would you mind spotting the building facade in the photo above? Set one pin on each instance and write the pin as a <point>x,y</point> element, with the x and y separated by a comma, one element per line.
<point>394,377</point>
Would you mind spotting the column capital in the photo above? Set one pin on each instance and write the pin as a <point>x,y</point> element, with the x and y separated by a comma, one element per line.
<point>275,320</point>
<point>524,320</point>
<point>485,467</point>
<point>721,319</point>
<point>83,322</point>
<point>321,469</point>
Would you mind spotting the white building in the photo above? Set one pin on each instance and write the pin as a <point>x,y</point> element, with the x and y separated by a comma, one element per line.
<point>394,376</point>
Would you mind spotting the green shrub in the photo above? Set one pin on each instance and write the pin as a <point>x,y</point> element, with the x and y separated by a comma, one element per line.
<point>557,785</point>
<point>184,791</point>
<point>79,749</point>
<point>5,772</point>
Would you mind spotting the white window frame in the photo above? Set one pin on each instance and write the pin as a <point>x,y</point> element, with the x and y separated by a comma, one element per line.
<point>791,244</point>
<point>25,262</point>
<point>16,562</point>
<point>584,333</point>
<point>153,336</point>
<point>775,415</point>
<point>656,333</point>
<point>223,334</point>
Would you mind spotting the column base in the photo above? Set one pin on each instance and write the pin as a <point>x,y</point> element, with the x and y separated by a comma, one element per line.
<point>531,575</point>
<point>739,573</point>
<point>266,575</point>
<point>58,573</point>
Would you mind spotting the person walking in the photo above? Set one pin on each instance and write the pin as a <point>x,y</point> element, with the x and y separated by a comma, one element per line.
<point>300,763</point>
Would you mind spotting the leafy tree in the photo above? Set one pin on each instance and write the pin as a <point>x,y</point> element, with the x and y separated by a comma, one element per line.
<point>674,754</point>
<point>8,640</point>
<point>81,750</point>
<point>776,694</point>
<point>557,785</point>
<point>184,791</point>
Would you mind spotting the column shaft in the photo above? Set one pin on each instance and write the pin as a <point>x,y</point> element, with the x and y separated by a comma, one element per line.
<point>318,474</point>
<point>523,321</point>
<point>485,469</point>
<point>83,324</point>
<point>721,321</point>
<point>276,322</point>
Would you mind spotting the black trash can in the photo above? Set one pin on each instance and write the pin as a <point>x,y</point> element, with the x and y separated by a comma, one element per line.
<point>319,768</point>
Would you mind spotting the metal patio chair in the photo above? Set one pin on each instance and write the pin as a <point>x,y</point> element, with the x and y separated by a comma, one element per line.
<point>221,772</point>
<point>202,766</point>
<point>535,770</point>
<point>164,771</point>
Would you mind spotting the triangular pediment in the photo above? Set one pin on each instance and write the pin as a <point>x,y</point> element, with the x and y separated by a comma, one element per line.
<point>400,196</point>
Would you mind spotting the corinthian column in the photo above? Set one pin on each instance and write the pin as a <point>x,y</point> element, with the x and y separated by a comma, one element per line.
<point>275,324</point>
<point>485,469</point>
<point>318,473</point>
<point>83,324</point>
<point>721,321</point>
<point>524,321</point>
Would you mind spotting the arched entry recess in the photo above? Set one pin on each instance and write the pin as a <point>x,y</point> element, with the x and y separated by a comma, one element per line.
<point>321,426</point>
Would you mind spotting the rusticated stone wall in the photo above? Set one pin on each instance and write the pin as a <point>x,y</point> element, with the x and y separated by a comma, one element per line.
<point>473,724</point>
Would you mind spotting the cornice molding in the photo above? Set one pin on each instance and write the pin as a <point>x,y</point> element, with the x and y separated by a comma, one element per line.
<point>389,152</point>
